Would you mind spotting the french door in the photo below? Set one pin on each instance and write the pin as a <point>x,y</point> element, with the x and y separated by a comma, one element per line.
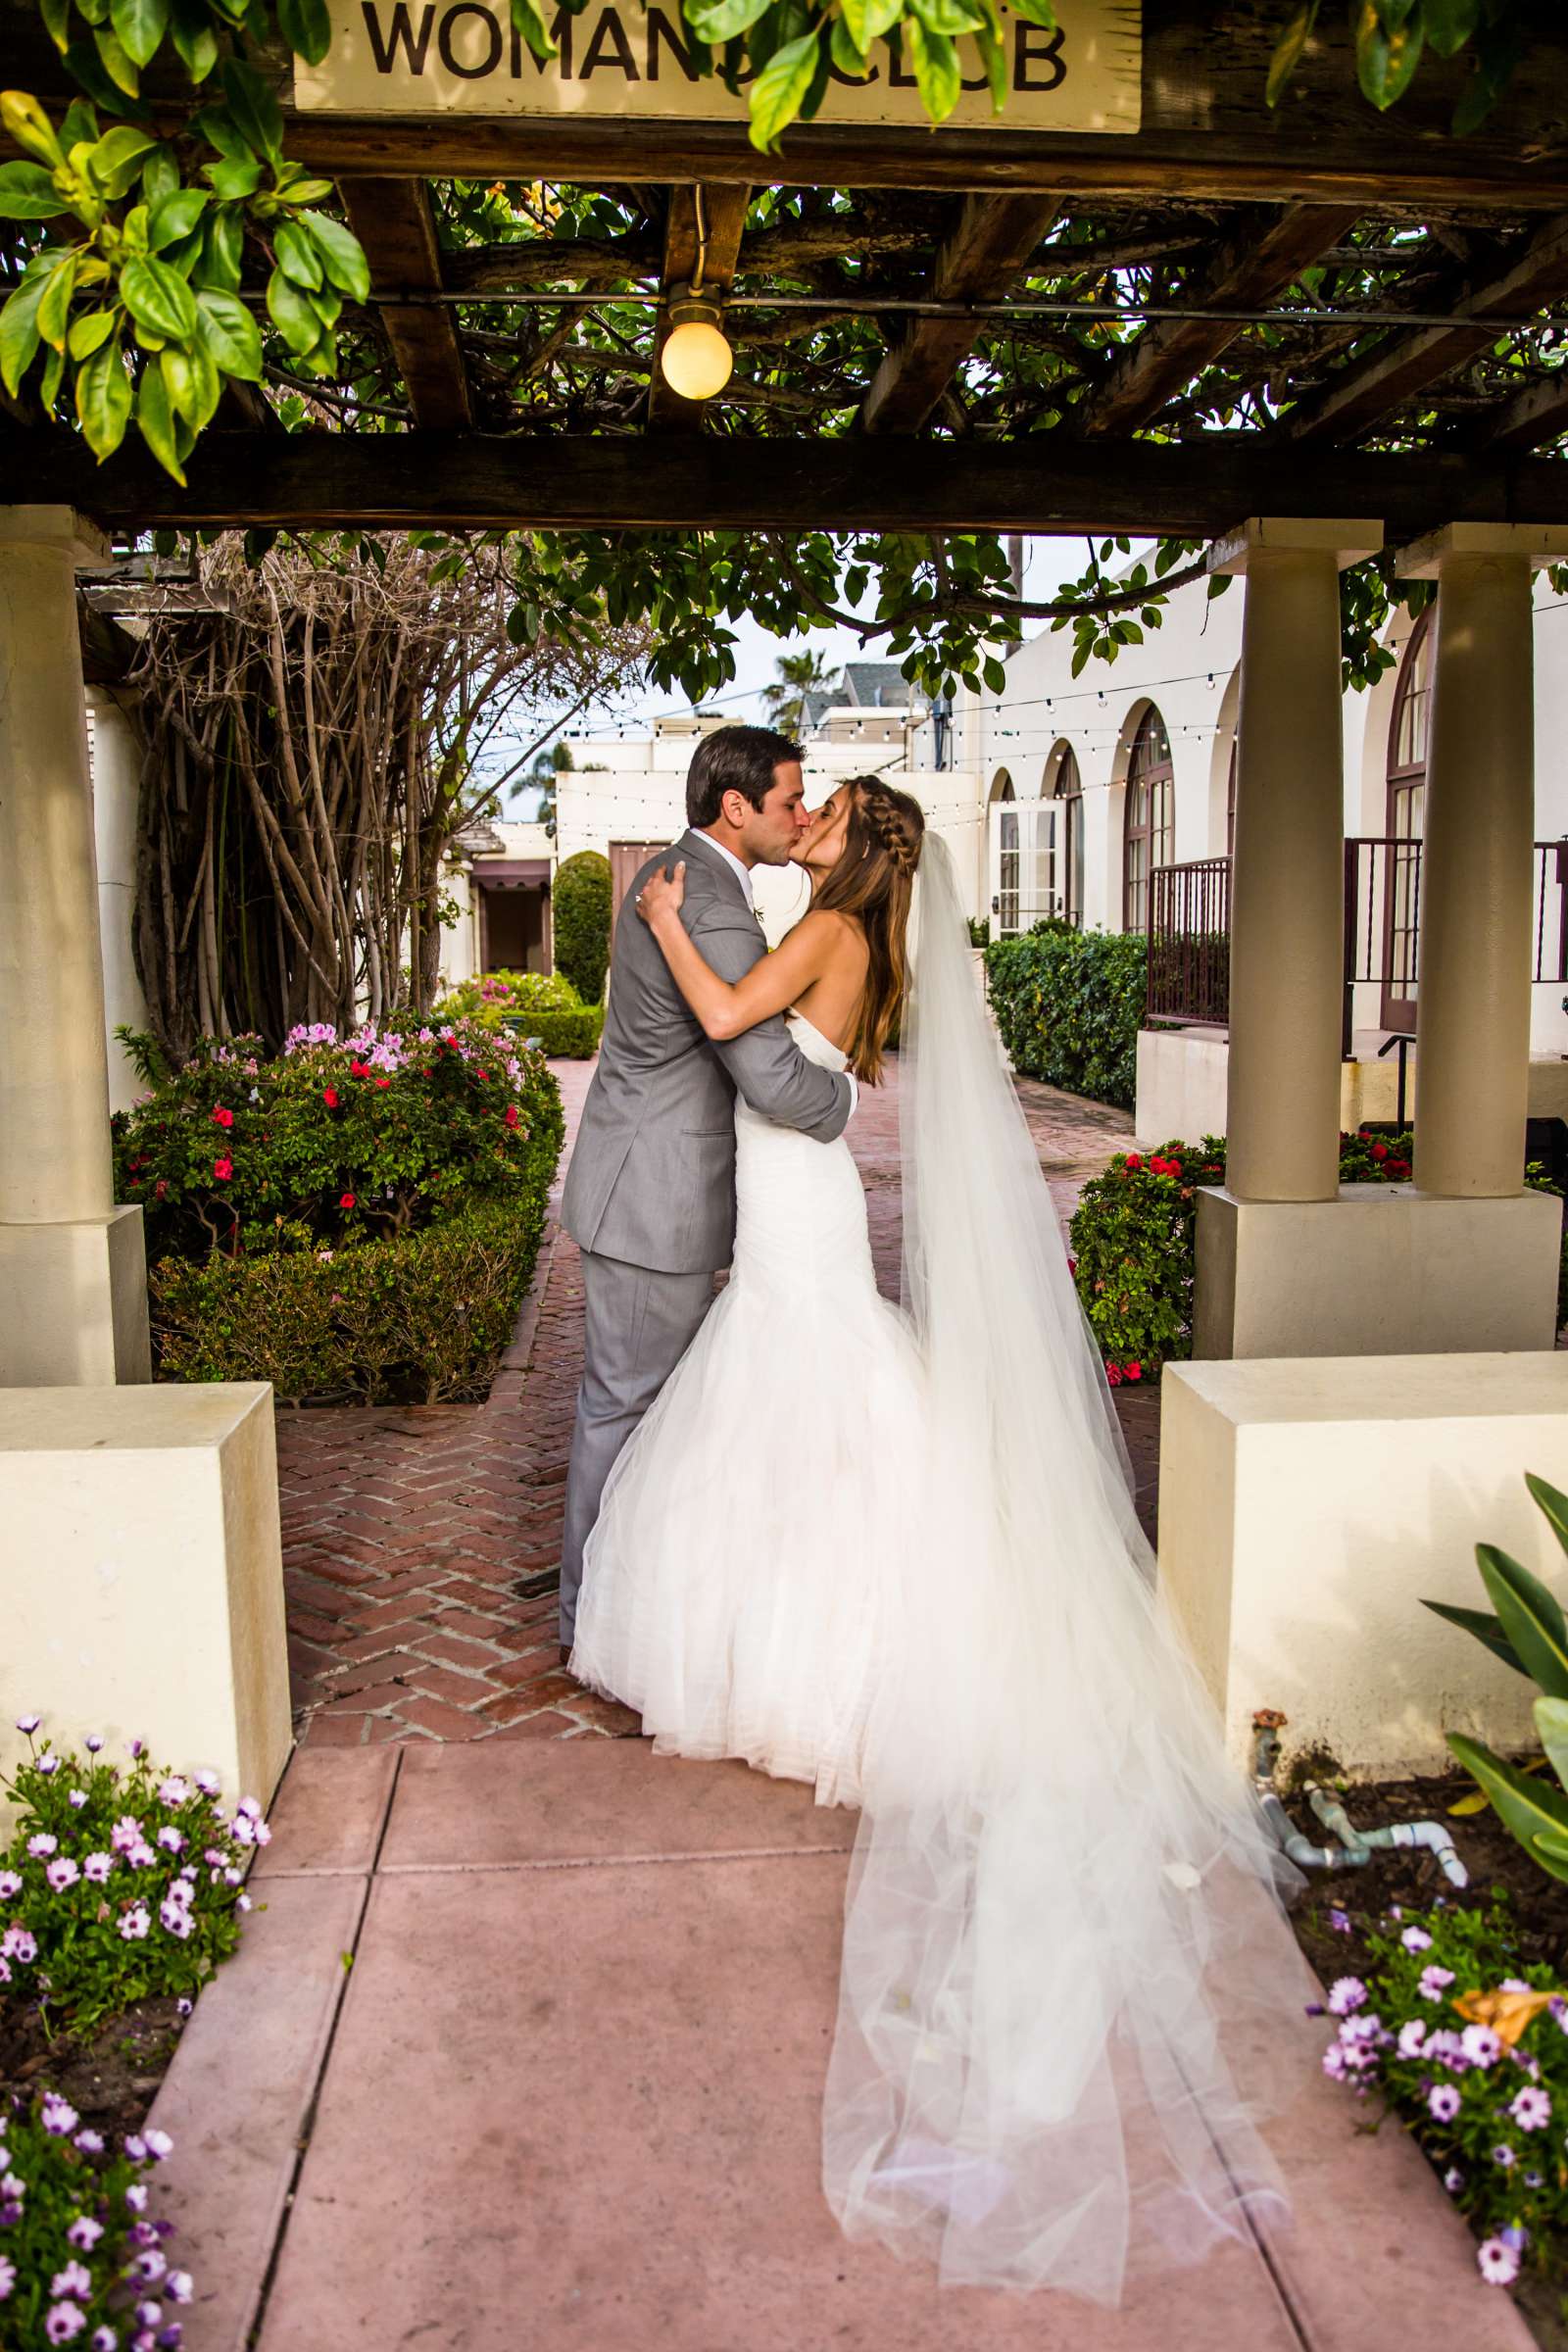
<point>1026,878</point>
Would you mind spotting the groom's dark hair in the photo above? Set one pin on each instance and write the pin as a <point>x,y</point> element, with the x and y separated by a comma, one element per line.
<point>733,759</point>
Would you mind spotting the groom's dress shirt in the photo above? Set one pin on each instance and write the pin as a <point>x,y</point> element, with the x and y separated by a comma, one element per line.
<point>745,874</point>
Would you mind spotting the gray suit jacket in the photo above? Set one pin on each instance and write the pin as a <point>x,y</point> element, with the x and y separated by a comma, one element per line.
<point>652,1179</point>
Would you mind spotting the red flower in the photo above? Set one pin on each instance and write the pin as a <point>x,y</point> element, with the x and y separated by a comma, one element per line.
<point>223,1169</point>
<point>1132,1163</point>
<point>160,1188</point>
<point>1113,1375</point>
<point>1134,1371</point>
<point>384,1081</point>
<point>358,1070</point>
<point>346,1201</point>
<point>1072,1265</point>
<point>1379,1151</point>
<point>223,1118</point>
<point>512,1114</point>
<point>329,1097</point>
<point>481,1073</point>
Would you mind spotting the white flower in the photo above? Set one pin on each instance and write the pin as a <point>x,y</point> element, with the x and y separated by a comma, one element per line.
<point>10,1884</point>
<point>43,1844</point>
<point>159,2144</point>
<point>1412,2034</point>
<point>173,1791</point>
<point>1416,1940</point>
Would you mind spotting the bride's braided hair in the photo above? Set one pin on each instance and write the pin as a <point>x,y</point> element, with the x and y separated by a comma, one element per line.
<point>873,881</point>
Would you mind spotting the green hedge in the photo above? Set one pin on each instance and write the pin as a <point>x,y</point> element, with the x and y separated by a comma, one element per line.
<point>1068,1004</point>
<point>542,1010</point>
<point>1134,1250</point>
<point>422,1320</point>
<point>581,901</point>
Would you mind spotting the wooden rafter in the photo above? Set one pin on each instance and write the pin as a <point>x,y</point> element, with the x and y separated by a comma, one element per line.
<point>1538,414</point>
<point>1406,364</point>
<point>991,244</point>
<point>456,480</point>
<point>1255,264</point>
<point>724,223</point>
<point>393,222</point>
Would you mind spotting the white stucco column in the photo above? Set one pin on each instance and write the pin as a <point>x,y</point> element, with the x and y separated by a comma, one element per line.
<point>115,745</point>
<point>1477,864</point>
<point>73,1288</point>
<point>1288,870</point>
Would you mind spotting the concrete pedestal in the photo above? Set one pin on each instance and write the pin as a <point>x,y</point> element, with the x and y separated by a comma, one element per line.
<point>74,1302</point>
<point>141,1580</point>
<point>1383,1270</point>
<point>1306,1511</point>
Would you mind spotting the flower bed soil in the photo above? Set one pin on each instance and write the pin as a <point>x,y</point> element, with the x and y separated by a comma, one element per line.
<point>1413,1880</point>
<point>109,2075</point>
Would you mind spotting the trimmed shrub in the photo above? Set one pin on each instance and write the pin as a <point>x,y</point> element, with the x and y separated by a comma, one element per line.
<point>581,902</point>
<point>1068,1004</point>
<point>353,1218</point>
<point>1135,1249</point>
<point>543,1010</point>
<point>420,1321</point>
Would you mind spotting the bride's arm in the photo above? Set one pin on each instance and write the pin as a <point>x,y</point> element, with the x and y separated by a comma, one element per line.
<point>723,1007</point>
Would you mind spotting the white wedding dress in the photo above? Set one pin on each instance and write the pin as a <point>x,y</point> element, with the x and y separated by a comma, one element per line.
<point>892,1551</point>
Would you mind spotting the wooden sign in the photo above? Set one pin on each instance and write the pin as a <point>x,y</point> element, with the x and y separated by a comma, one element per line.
<point>622,58</point>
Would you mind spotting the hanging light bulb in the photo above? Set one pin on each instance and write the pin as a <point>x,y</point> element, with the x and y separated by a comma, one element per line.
<point>696,359</point>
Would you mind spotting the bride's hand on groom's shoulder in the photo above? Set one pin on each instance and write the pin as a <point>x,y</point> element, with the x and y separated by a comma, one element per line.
<point>660,891</point>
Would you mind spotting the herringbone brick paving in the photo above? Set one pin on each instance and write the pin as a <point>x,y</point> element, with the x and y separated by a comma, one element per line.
<point>421,1544</point>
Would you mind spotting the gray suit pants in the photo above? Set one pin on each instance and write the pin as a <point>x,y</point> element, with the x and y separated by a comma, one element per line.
<point>639,1324</point>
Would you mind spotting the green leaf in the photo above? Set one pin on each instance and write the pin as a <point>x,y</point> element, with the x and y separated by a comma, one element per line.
<point>30,127</point>
<point>54,307</point>
<point>1551,1722</point>
<point>27,192</point>
<point>1036,12</point>
<point>193,384</point>
<point>950,16</point>
<point>254,107</point>
<point>297,257</point>
<point>156,424</point>
<point>85,66</point>
<point>139,25</point>
<point>56,15</point>
<point>342,252</point>
<point>232,334</point>
<point>1449,24</point>
<point>103,398</point>
<point>1530,1617</point>
<point>18,333</point>
<point>79,126</point>
<point>307,28</point>
<point>116,60</point>
<point>234,177</point>
<point>223,252</point>
<point>780,87</point>
<point>1483,1626</point>
<point>934,58</point>
<point>1553,1502</point>
<point>1289,50</point>
<point>159,175</point>
<point>292,315</point>
<point>174,217</point>
<point>869,19</point>
<point>994,57</point>
<point>843,54</point>
<point>1528,1808</point>
<point>88,331</point>
<point>1385,60</point>
<point>54,368</point>
<point>532,29</point>
<point>195,41</point>
<point>159,299</point>
<point>718,20</point>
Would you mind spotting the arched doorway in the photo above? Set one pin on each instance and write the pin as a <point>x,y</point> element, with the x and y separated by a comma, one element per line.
<point>1149,836</point>
<point>1065,785</point>
<point>1405,822</point>
<point>1004,855</point>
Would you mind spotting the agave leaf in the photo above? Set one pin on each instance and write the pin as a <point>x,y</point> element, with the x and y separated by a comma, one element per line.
<point>1553,1502</point>
<point>1531,1617</point>
<point>1551,1722</point>
<point>1528,1808</point>
<point>1485,1627</point>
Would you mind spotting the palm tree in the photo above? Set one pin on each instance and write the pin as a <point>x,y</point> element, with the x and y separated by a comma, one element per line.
<point>800,676</point>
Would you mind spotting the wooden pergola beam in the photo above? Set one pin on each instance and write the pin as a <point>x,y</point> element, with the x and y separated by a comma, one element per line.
<point>992,243</point>
<point>1046,485</point>
<point>1538,414</point>
<point>393,222</point>
<point>718,239</point>
<point>1258,261</point>
<point>1404,365</point>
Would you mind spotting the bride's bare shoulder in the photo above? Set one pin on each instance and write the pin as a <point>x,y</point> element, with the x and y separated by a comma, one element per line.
<point>836,937</point>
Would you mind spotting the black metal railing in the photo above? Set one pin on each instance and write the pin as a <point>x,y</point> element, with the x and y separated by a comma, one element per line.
<point>1190,942</point>
<point>1188,932</point>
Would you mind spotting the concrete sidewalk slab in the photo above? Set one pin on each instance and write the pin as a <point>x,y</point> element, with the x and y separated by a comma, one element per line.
<point>238,2097</point>
<point>593,1801</point>
<point>329,1813</point>
<point>581,2108</point>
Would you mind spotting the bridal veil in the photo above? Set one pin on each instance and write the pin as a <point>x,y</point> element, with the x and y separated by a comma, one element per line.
<point>1064,1951</point>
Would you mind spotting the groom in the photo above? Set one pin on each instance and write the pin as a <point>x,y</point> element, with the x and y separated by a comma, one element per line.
<point>649,1196</point>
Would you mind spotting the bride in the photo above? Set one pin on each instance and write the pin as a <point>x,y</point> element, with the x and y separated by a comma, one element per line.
<point>892,1551</point>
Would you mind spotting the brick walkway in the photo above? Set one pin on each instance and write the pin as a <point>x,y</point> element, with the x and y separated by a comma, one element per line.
<point>422,1545</point>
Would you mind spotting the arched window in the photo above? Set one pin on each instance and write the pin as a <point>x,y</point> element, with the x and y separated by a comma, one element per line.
<point>1067,787</point>
<point>1406,822</point>
<point>1150,835</point>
